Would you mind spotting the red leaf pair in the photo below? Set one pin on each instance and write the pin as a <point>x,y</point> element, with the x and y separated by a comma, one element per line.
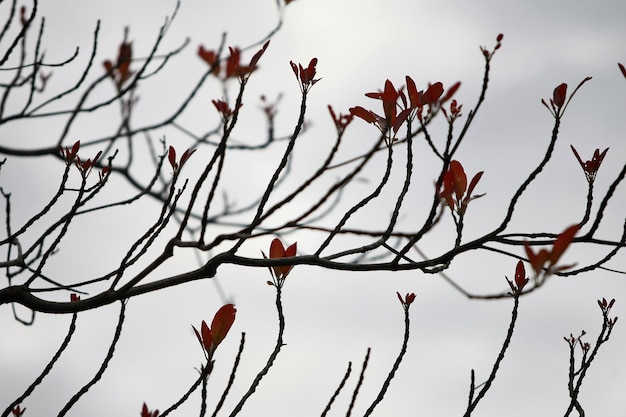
<point>407,300</point>
<point>120,72</point>
<point>171,156</point>
<point>390,122</point>
<point>433,96</point>
<point>455,190</point>
<point>591,167</point>
<point>234,68</point>
<point>147,413</point>
<point>85,166</point>
<point>559,100</point>
<point>17,411</point>
<point>550,257</point>
<point>455,111</point>
<point>224,109</point>
<point>606,305</point>
<point>210,57</point>
<point>341,120</point>
<point>306,76</point>
<point>278,251</point>
<point>69,154</point>
<point>210,338</point>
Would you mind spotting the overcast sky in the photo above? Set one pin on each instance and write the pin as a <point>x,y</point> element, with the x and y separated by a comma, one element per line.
<point>333,317</point>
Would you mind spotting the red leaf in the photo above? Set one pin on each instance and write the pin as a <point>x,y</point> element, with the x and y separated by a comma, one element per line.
<point>536,260</point>
<point>559,95</point>
<point>98,155</point>
<point>451,92</point>
<point>222,323</point>
<point>289,253</point>
<point>125,53</point>
<point>232,63</point>
<point>401,118</point>
<point>277,250</point>
<point>410,298</point>
<point>389,98</point>
<point>108,66</point>
<point>520,276</point>
<point>171,156</point>
<point>310,71</point>
<point>364,114</point>
<point>186,156</point>
<point>294,68</point>
<point>580,161</point>
<point>209,56</point>
<point>257,56</point>
<point>459,178</point>
<point>432,94</point>
<point>474,182</point>
<point>414,95</point>
<point>207,338</point>
<point>291,250</point>
<point>562,242</point>
<point>448,188</point>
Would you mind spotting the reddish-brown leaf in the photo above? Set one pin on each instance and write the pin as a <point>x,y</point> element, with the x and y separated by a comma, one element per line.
<point>432,94</point>
<point>400,297</point>
<point>389,97</point>
<point>171,156</point>
<point>562,242</point>
<point>580,161</point>
<point>400,119</point>
<point>207,338</point>
<point>520,275</point>
<point>209,56</point>
<point>125,53</point>
<point>294,68</point>
<point>459,178</point>
<point>277,250</point>
<point>232,63</point>
<point>559,95</point>
<point>451,92</point>
<point>108,66</point>
<point>536,260</point>
<point>186,156</point>
<point>222,322</point>
<point>410,298</point>
<point>364,114</point>
<point>310,72</point>
<point>473,183</point>
<point>198,335</point>
<point>291,250</point>
<point>622,69</point>
<point>258,55</point>
<point>414,95</point>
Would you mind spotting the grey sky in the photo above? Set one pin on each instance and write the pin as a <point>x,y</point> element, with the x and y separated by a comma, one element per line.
<point>333,317</point>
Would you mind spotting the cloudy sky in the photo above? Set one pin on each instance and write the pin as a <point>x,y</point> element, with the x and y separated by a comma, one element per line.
<point>333,317</point>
